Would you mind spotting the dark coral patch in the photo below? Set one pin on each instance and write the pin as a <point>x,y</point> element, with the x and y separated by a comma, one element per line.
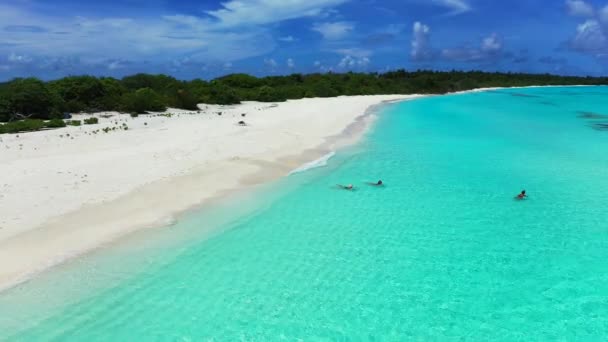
<point>600,126</point>
<point>591,115</point>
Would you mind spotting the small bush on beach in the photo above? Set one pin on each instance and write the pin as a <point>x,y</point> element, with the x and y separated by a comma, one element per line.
<point>74,123</point>
<point>91,121</point>
<point>27,125</point>
<point>55,123</point>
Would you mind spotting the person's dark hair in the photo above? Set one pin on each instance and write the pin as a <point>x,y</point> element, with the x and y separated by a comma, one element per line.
<point>380,182</point>
<point>523,192</point>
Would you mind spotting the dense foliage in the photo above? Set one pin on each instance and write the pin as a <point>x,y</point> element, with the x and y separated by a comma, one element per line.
<point>31,98</point>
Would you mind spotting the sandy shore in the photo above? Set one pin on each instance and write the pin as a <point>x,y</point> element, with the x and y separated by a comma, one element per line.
<point>65,192</point>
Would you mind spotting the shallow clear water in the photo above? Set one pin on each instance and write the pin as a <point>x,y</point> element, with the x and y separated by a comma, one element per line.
<point>442,252</point>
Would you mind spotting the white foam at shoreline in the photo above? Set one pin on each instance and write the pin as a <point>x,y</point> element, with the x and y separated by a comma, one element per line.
<point>321,162</point>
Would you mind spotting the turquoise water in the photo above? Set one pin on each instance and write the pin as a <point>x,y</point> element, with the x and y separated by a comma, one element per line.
<point>442,252</point>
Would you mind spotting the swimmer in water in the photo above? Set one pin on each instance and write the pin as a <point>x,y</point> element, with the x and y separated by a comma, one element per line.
<point>522,195</point>
<point>378,183</point>
<point>346,187</point>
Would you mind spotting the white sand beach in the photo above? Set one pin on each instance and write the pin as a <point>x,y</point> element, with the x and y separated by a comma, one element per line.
<point>65,192</point>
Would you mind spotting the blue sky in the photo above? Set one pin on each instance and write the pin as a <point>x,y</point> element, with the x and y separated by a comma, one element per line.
<point>208,38</point>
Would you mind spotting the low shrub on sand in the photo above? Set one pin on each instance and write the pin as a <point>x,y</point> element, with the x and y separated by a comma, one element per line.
<point>91,121</point>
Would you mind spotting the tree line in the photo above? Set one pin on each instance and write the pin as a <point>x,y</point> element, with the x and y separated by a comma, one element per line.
<point>32,98</point>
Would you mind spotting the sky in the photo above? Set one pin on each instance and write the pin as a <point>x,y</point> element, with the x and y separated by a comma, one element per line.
<point>209,38</point>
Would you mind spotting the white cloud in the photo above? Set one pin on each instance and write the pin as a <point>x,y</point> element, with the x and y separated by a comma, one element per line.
<point>238,29</point>
<point>19,59</point>
<point>317,64</point>
<point>228,65</point>
<point>346,62</point>
<point>579,8</point>
<point>589,37</point>
<point>491,48</point>
<point>115,65</point>
<point>456,6</point>
<point>186,20</point>
<point>349,62</point>
<point>241,12</point>
<point>491,44</point>
<point>290,63</point>
<point>420,44</point>
<point>141,39</point>
<point>334,31</point>
<point>287,39</point>
<point>270,63</point>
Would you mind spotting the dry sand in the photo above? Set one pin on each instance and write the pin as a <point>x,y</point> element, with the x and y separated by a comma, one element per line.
<point>65,192</point>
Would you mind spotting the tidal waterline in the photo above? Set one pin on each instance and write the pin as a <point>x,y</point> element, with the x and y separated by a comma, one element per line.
<point>442,251</point>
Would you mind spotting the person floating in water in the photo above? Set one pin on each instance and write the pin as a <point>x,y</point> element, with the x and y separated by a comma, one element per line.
<point>346,187</point>
<point>378,183</point>
<point>522,195</point>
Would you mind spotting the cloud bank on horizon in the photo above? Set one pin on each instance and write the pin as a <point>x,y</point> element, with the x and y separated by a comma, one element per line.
<point>193,38</point>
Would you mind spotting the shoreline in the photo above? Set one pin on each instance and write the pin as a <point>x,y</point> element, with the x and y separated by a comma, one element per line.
<point>160,203</point>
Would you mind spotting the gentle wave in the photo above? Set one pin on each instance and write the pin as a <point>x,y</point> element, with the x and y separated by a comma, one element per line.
<point>314,164</point>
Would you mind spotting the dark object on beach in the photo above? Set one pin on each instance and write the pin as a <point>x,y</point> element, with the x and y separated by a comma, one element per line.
<point>242,123</point>
<point>219,113</point>
<point>243,115</point>
<point>521,196</point>
<point>67,116</point>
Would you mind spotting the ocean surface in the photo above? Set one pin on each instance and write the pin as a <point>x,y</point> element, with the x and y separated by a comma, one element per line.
<point>441,252</point>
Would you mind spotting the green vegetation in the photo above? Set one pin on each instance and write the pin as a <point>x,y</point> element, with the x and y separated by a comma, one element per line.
<point>74,123</point>
<point>30,125</point>
<point>269,94</point>
<point>91,121</point>
<point>30,98</point>
<point>143,100</point>
<point>26,125</point>
<point>55,123</point>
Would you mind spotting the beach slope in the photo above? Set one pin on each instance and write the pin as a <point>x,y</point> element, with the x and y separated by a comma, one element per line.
<point>65,192</point>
